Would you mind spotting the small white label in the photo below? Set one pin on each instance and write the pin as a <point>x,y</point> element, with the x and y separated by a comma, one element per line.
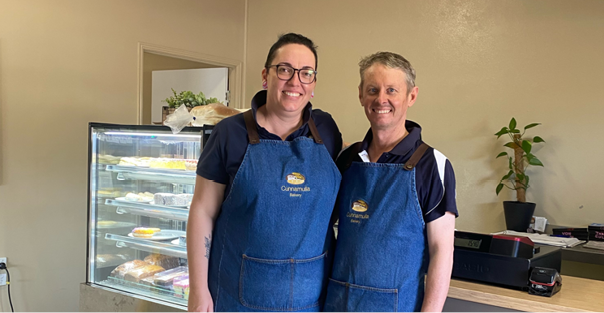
<point>364,156</point>
<point>2,279</point>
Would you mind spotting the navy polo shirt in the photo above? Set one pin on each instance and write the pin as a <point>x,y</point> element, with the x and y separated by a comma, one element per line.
<point>226,147</point>
<point>434,176</point>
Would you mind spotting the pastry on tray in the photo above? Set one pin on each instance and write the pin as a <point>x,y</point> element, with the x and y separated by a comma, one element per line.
<point>170,199</point>
<point>164,261</point>
<point>145,232</point>
<point>139,273</point>
<point>122,269</point>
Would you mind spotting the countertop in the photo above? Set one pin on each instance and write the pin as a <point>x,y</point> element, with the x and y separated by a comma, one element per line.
<point>576,295</point>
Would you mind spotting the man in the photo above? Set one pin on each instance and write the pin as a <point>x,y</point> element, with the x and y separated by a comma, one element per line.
<point>396,204</point>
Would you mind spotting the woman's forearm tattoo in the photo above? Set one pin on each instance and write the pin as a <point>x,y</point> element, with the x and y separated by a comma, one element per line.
<point>208,246</point>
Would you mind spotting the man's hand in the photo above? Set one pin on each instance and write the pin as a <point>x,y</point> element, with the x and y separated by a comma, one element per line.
<point>200,301</point>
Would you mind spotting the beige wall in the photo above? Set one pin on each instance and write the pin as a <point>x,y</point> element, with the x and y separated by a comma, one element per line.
<point>64,64</point>
<point>479,63</point>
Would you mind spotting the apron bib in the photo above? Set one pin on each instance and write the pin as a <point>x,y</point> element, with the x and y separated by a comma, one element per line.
<point>381,252</point>
<point>270,241</point>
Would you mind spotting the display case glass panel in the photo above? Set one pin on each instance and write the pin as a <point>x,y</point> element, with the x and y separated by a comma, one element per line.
<point>141,182</point>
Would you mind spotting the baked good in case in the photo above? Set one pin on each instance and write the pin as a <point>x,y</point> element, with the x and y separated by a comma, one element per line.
<point>139,197</point>
<point>134,161</point>
<point>143,232</point>
<point>135,275</point>
<point>191,165</point>
<point>181,287</point>
<point>121,270</point>
<point>175,164</point>
<point>165,279</point>
<point>170,199</point>
<point>164,261</point>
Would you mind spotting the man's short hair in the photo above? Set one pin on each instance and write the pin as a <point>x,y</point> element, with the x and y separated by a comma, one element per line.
<point>391,60</point>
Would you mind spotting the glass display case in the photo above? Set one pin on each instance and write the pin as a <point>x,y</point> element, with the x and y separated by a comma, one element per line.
<point>141,182</point>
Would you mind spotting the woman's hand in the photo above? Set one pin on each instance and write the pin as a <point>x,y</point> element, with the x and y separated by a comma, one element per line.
<point>201,301</point>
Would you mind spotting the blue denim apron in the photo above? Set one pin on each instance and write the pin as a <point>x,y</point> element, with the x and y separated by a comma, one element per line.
<point>270,241</point>
<point>381,253</point>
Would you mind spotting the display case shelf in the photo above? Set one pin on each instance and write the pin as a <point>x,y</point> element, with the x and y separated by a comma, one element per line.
<point>144,290</point>
<point>150,210</point>
<point>154,174</point>
<point>158,247</point>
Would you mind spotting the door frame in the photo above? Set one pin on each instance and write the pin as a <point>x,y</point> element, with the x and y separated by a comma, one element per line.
<point>235,71</point>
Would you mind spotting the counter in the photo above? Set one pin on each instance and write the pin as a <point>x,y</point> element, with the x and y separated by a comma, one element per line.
<point>576,295</point>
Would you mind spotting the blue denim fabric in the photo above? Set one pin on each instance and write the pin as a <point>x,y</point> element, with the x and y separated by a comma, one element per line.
<point>270,241</point>
<point>381,254</point>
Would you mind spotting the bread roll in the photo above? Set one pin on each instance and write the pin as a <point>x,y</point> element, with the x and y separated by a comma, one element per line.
<point>120,271</point>
<point>139,273</point>
<point>211,113</point>
<point>164,261</point>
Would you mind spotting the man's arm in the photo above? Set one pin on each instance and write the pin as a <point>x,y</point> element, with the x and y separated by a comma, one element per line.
<point>440,244</point>
<point>202,215</point>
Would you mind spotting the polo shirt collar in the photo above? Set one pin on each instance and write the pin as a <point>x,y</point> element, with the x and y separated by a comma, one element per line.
<point>406,145</point>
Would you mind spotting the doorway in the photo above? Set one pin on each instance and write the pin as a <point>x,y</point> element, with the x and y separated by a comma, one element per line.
<point>173,66</point>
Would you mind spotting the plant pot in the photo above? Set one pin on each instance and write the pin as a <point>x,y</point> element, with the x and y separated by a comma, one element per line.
<point>518,215</point>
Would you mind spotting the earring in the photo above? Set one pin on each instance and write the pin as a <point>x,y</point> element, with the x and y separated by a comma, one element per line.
<point>264,85</point>
<point>312,95</point>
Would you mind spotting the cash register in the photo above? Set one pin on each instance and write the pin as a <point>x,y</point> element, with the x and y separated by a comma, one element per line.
<point>502,260</point>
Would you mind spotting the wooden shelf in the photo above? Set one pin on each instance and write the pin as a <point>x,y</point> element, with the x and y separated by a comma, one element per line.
<point>576,295</point>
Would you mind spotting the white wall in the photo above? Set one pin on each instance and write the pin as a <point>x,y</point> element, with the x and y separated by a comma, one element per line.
<point>213,82</point>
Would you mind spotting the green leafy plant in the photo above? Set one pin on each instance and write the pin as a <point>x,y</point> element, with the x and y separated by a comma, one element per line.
<point>516,177</point>
<point>189,99</point>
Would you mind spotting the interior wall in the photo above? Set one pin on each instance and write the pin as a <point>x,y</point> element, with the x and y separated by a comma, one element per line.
<point>478,64</point>
<point>155,62</point>
<point>63,64</point>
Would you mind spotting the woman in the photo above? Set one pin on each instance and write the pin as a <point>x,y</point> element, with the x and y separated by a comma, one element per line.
<point>259,225</point>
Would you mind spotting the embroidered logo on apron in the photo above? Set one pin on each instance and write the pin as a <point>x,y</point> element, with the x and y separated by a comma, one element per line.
<point>358,206</point>
<point>295,178</point>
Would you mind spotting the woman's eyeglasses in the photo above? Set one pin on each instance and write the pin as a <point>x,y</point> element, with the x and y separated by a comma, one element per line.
<point>286,72</point>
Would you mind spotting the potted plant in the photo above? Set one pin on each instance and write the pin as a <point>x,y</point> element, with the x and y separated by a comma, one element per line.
<point>518,213</point>
<point>187,98</point>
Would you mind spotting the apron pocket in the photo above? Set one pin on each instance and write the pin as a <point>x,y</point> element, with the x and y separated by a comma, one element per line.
<point>345,297</point>
<point>281,285</point>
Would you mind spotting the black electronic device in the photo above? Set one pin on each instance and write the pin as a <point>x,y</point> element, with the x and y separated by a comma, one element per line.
<point>544,282</point>
<point>501,259</point>
<point>579,233</point>
<point>206,131</point>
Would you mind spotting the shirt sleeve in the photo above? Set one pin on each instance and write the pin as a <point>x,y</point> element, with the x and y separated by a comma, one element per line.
<point>212,161</point>
<point>437,206</point>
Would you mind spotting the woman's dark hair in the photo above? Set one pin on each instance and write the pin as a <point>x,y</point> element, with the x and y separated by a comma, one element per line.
<point>287,39</point>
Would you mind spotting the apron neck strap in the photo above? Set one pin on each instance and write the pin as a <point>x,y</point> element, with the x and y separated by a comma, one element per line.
<point>252,129</point>
<point>314,132</point>
<point>417,155</point>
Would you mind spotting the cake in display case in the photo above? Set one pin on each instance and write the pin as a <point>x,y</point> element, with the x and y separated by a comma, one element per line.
<point>141,183</point>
